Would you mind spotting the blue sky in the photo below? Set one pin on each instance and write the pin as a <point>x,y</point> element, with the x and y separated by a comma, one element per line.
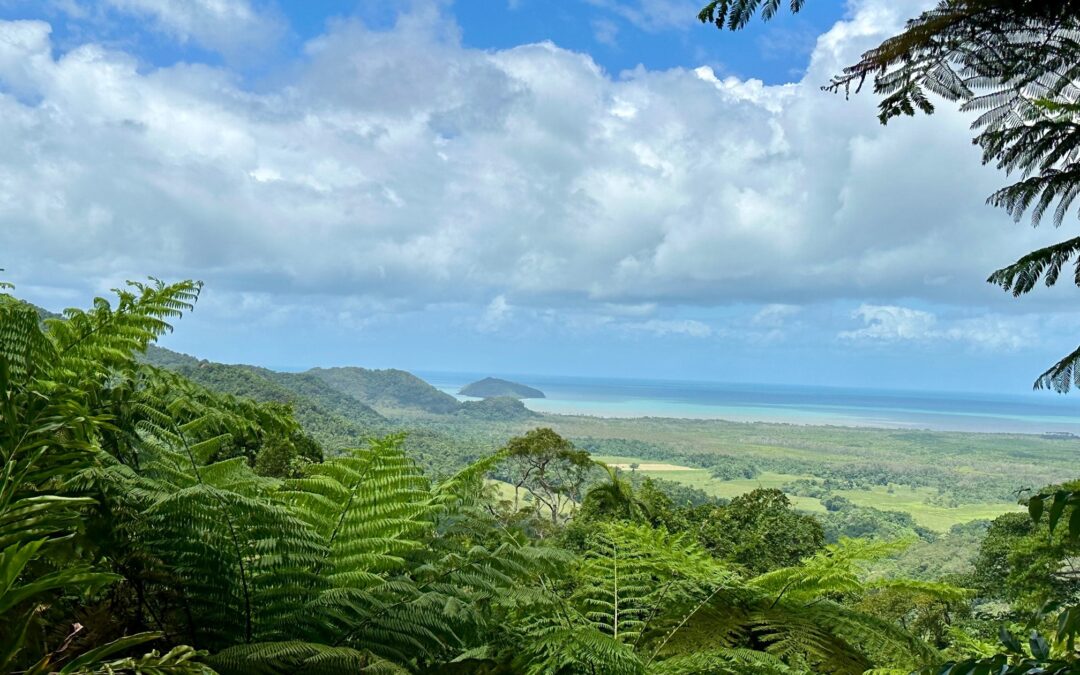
<point>578,187</point>
<point>618,35</point>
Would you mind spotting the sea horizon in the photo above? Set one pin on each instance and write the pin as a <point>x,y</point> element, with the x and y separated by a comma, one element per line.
<point>818,405</point>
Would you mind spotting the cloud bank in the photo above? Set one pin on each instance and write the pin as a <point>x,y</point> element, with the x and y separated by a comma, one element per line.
<point>396,169</point>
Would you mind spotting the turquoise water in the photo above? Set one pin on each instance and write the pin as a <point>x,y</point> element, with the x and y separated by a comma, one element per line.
<point>1037,412</point>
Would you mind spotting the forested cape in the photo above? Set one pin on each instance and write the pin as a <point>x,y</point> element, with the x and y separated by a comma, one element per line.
<point>148,524</point>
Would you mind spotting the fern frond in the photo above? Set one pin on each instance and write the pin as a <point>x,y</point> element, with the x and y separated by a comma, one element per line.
<point>281,658</point>
<point>731,661</point>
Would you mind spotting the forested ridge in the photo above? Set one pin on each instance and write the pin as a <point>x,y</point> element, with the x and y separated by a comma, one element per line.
<point>344,407</point>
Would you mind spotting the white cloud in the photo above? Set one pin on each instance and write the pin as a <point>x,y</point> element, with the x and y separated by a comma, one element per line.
<point>606,32</point>
<point>774,315</point>
<point>227,26</point>
<point>893,324</point>
<point>497,313</point>
<point>994,333</point>
<point>402,166</point>
<point>662,327</point>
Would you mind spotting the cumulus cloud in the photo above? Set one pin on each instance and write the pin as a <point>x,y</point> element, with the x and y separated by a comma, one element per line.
<point>893,324</point>
<point>890,323</point>
<point>400,166</point>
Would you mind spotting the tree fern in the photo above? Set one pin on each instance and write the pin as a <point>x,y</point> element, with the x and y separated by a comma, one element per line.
<point>735,14</point>
<point>643,600</point>
<point>240,559</point>
<point>48,434</point>
<point>90,342</point>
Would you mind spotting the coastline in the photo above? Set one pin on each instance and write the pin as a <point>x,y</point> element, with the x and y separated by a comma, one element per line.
<point>795,405</point>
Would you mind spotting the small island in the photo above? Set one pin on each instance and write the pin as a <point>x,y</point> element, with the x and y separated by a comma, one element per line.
<point>491,387</point>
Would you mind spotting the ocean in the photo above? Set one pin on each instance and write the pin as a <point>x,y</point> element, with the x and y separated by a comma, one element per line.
<point>1032,413</point>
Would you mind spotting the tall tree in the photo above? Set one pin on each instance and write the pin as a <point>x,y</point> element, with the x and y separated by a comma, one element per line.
<point>549,468</point>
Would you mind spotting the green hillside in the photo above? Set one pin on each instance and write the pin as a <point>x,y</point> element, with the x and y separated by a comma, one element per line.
<point>388,390</point>
<point>338,420</point>
<point>335,420</point>
<point>167,358</point>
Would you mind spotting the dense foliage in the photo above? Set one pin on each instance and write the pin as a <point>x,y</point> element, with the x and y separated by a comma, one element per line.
<point>141,511</point>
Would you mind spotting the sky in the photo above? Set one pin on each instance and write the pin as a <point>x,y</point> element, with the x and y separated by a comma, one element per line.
<point>582,187</point>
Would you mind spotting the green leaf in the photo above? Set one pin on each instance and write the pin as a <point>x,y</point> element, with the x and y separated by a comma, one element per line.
<point>72,580</point>
<point>1040,648</point>
<point>1068,625</point>
<point>1010,641</point>
<point>94,656</point>
<point>1061,498</point>
<point>12,561</point>
<point>1035,507</point>
<point>12,643</point>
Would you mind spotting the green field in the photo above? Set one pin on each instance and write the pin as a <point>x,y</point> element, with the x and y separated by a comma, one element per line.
<point>912,500</point>
<point>939,478</point>
<point>902,498</point>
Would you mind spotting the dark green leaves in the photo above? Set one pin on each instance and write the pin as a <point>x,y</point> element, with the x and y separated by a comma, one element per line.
<point>1035,507</point>
<point>1061,500</point>
<point>1068,625</point>
<point>1045,263</point>
<point>1010,641</point>
<point>1040,648</point>
<point>735,14</point>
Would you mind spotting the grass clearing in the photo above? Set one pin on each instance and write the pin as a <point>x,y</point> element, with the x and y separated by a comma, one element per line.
<point>913,501</point>
<point>703,480</point>
<point>901,498</point>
